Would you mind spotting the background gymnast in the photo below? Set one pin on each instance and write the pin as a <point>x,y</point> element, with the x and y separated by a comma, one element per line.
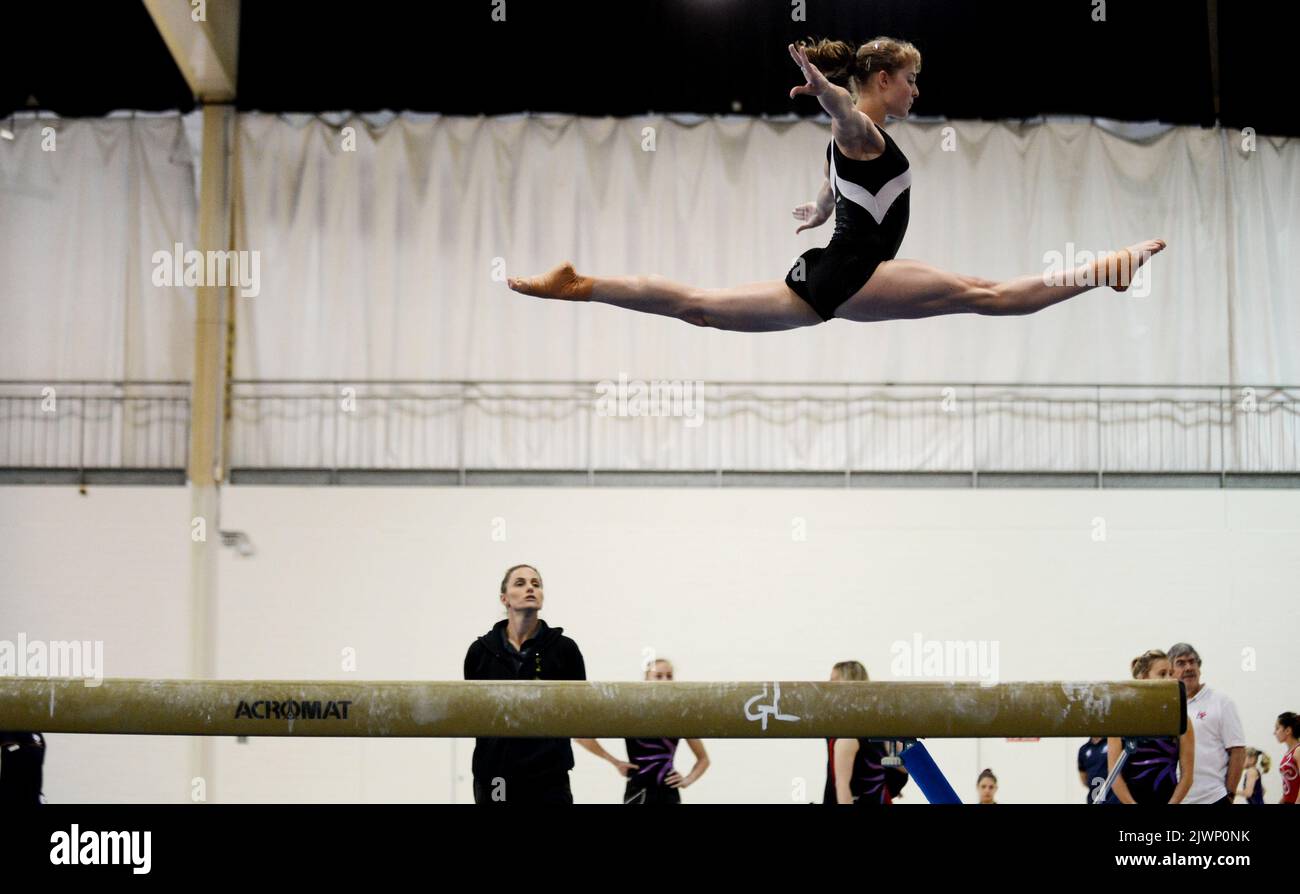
<point>868,186</point>
<point>1160,771</point>
<point>1287,731</point>
<point>1252,778</point>
<point>987,787</point>
<point>855,768</point>
<point>651,776</point>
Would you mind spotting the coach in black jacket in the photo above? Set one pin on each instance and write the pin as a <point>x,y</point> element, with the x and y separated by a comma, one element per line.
<point>523,647</point>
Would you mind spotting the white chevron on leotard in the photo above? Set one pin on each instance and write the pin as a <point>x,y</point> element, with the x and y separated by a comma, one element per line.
<point>876,205</point>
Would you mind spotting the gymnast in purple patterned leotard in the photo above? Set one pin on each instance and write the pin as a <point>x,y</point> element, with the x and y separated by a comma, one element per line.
<point>1159,770</point>
<point>651,776</point>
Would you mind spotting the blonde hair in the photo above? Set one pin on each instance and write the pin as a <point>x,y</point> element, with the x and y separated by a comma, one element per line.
<point>1262,760</point>
<point>851,670</point>
<point>1141,665</point>
<point>850,67</point>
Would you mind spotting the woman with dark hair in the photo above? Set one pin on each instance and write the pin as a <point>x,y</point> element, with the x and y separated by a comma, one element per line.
<point>1159,771</point>
<point>523,647</point>
<point>868,185</point>
<point>987,786</point>
<point>855,768</point>
<point>1287,731</point>
<point>651,776</point>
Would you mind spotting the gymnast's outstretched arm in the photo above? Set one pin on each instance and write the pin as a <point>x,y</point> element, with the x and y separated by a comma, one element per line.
<point>849,125</point>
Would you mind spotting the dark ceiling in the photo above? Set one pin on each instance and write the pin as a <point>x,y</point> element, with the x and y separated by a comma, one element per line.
<point>1150,59</point>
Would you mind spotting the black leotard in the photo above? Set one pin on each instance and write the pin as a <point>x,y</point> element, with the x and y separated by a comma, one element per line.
<point>872,204</point>
<point>654,761</point>
<point>870,781</point>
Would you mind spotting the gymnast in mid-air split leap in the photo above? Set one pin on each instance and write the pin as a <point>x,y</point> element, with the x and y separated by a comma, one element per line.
<point>868,186</point>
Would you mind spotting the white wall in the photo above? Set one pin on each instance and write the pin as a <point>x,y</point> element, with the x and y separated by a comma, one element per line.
<point>111,566</point>
<point>711,578</point>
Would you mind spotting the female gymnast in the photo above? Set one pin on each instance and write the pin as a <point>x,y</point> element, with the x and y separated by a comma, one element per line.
<point>855,277</point>
<point>987,786</point>
<point>1252,778</point>
<point>1160,770</point>
<point>1287,731</point>
<point>651,776</point>
<point>855,768</point>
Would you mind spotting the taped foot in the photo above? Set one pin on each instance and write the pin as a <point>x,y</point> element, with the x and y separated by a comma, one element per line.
<point>563,283</point>
<point>1118,270</point>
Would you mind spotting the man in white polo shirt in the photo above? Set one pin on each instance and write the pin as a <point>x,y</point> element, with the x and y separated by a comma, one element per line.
<point>1220,743</point>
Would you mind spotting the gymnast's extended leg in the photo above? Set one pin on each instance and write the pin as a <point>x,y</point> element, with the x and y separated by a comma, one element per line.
<point>755,307</point>
<point>904,289</point>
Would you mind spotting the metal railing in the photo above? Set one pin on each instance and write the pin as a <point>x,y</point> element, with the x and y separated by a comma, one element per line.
<point>587,430</point>
<point>81,425</point>
<point>748,427</point>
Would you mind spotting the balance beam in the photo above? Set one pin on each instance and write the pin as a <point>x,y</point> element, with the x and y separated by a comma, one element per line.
<point>760,710</point>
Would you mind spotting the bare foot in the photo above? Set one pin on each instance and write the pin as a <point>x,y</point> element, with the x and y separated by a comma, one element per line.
<point>1118,269</point>
<point>563,282</point>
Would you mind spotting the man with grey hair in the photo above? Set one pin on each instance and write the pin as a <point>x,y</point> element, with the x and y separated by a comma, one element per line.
<point>1220,742</point>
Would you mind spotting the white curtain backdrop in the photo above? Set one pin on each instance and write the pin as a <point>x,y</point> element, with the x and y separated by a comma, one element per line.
<point>379,262</point>
<point>1264,210</point>
<point>383,251</point>
<point>384,261</point>
<point>81,215</point>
